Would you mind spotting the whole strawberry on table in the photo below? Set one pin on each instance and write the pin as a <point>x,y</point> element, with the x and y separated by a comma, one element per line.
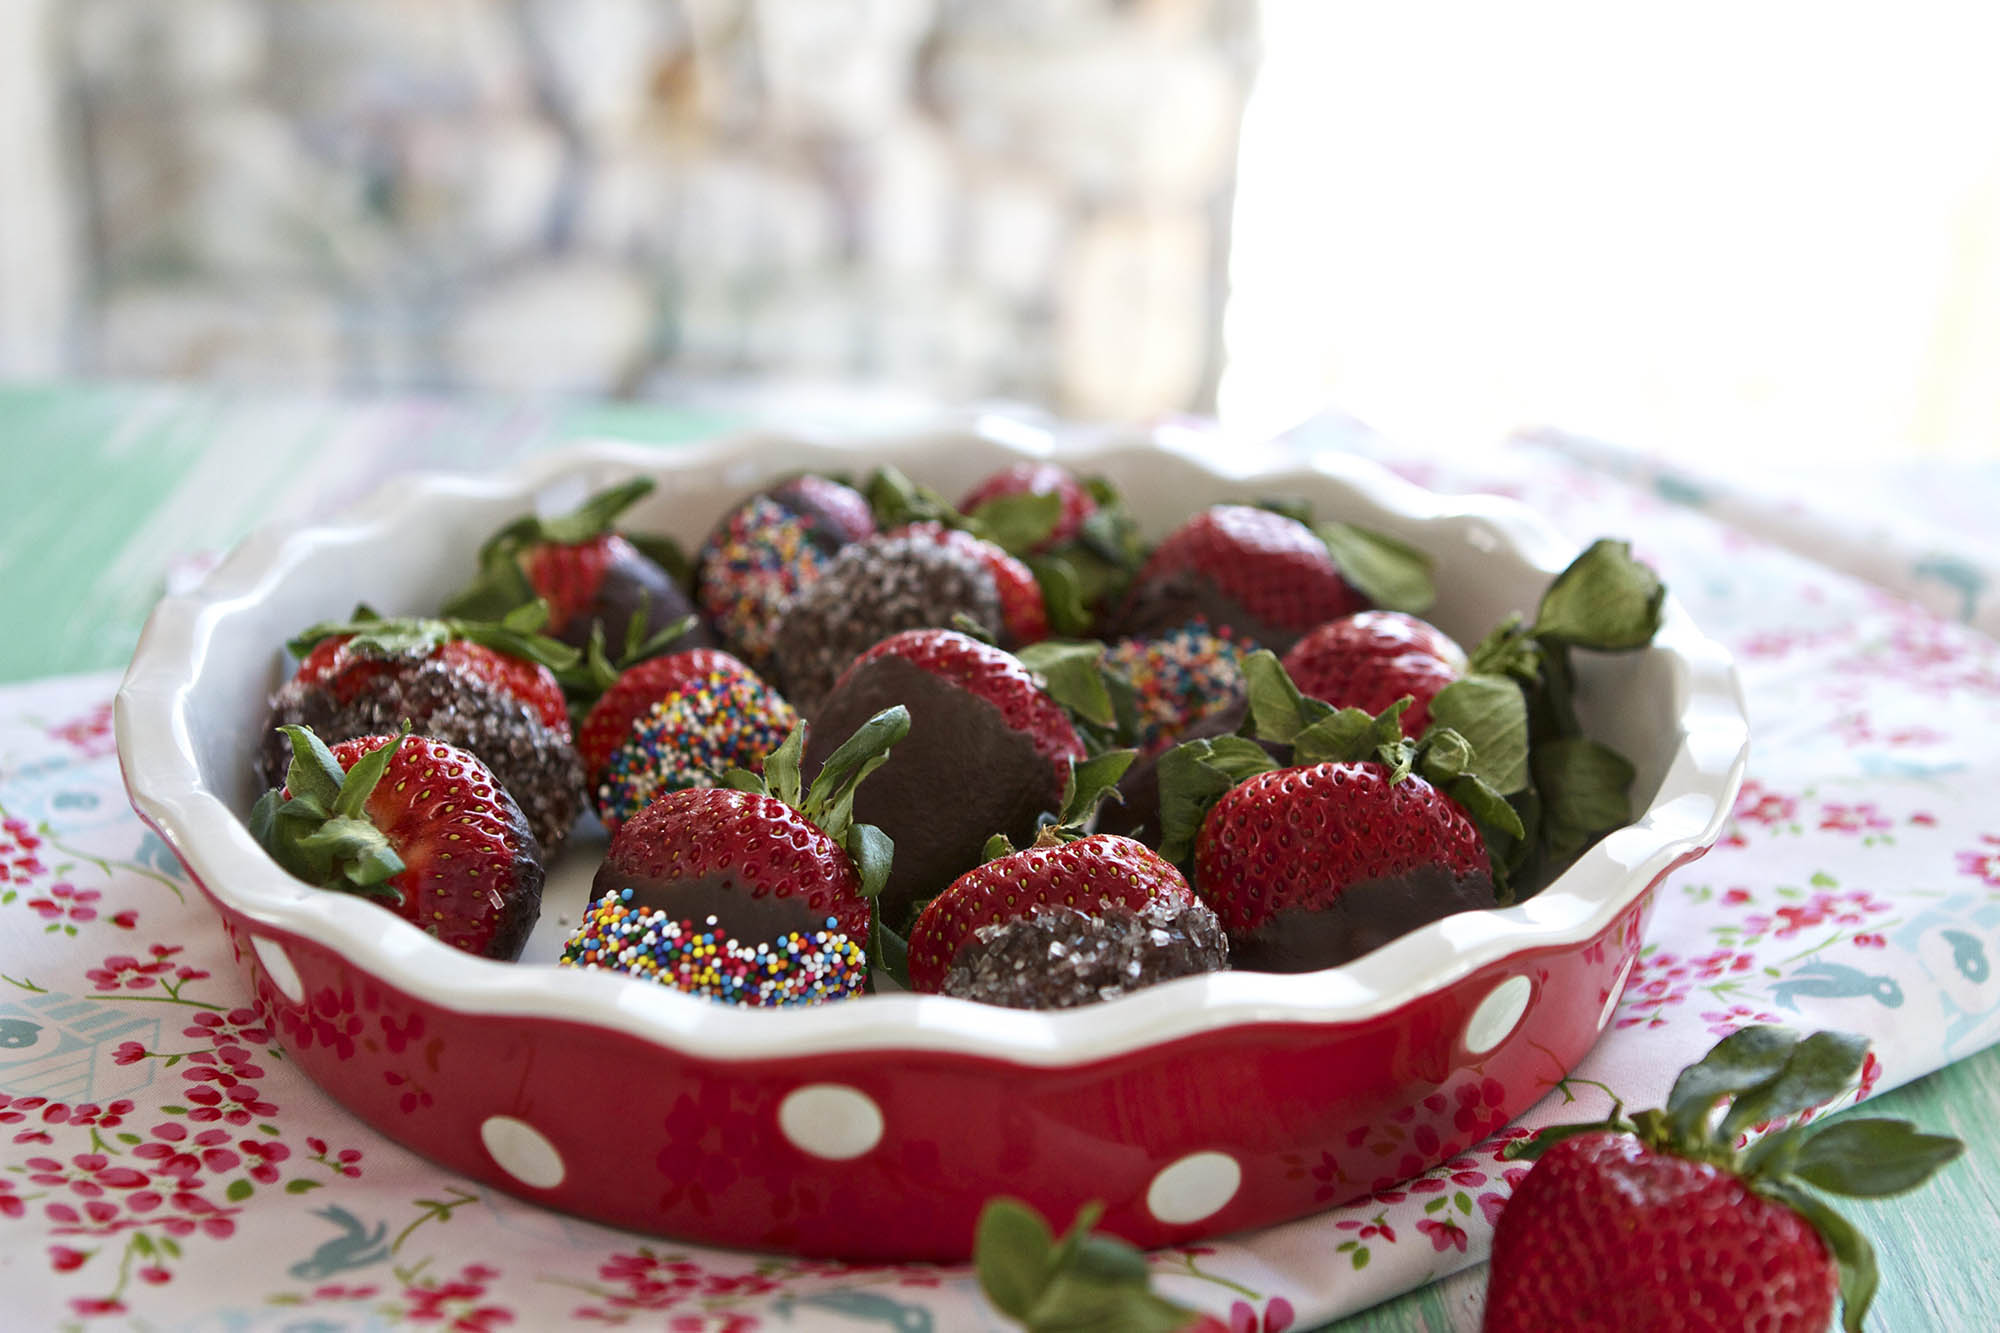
<point>1669,1222</point>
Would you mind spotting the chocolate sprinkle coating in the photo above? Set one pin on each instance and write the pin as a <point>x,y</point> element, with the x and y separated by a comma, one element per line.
<point>535,763</point>
<point>1058,958</point>
<point>871,590</point>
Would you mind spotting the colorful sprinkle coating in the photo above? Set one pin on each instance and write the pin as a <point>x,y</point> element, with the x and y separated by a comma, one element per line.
<point>705,960</point>
<point>725,720</point>
<point>750,570</point>
<point>1180,677</point>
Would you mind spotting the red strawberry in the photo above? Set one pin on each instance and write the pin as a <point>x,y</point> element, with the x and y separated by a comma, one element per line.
<point>482,686</point>
<point>593,579</point>
<point>1036,478</point>
<point>1267,577</point>
<point>419,825</point>
<point>1661,1224</point>
<point>767,550</point>
<point>756,893</point>
<point>1024,619</point>
<point>981,729</point>
<point>678,721</point>
<point>1312,864</point>
<point>635,692</point>
<point>1092,875</point>
<point>1370,660</point>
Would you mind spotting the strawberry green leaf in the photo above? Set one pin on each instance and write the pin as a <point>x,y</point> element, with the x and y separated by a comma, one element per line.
<point>1605,600</point>
<point>997,846</point>
<point>1071,675</point>
<point>1819,1069</point>
<point>972,629</point>
<point>1063,593</point>
<point>1019,522</point>
<point>360,781</point>
<point>1351,735</point>
<point>1733,1066</point>
<point>1488,808</point>
<point>888,951</point>
<point>1089,783</point>
<point>829,802</point>
<point>1583,788</point>
<point>314,774</point>
<point>1278,712</point>
<point>1193,776</point>
<point>1011,1251</point>
<point>872,852</point>
<point>595,516</point>
<point>1507,651</point>
<point>742,779</point>
<point>897,500</point>
<point>782,766</point>
<point>1852,1254</point>
<point>1871,1158</point>
<point>1532,1147</point>
<point>1389,572</point>
<point>1490,713</point>
<point>498,588</point>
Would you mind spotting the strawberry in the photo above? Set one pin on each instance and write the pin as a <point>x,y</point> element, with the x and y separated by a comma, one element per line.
<point>1314,863</point>
<point>1373,658</point>
<point>1074,502</point>
<point>1023,618</point>
<point>1662,1222</point>
<point>418,825</point>
<point>594,580</point>
<point>768,549</point>
<point>677,721</point>
<point>1056,892</point>
<point>486,687</point>
<point>1262,575</point>
<point>756,893</point>
<point>981,728</point>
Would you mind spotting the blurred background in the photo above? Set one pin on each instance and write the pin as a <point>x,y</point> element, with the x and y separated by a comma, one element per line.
<point>1713,231</point>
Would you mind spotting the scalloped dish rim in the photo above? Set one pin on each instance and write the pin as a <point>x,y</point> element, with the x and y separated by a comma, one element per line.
<point>155,727</point>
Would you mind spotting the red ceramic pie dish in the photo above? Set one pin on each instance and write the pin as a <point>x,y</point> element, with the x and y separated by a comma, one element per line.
<point>876,1128</point>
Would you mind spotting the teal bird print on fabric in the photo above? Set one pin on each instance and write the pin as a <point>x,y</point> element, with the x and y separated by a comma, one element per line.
<point>1836,981</point>
<point>1969,955</point>
<point>868,1307</point>
<point>355,1247</point>
<point>1961,576</point>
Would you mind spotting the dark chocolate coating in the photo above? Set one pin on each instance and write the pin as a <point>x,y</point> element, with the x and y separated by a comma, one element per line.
<point>536,764</point>
<point>1366,915</point>
<point>1168,601</point>
<point>1058,958</point>
<point>959,777</point>
<point>744,918</point>
<point>869,591</point>
<point>631,583</point>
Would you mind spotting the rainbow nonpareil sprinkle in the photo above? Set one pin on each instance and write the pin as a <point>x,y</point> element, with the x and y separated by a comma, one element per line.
<point>689,739</point>
<point>705,959</point>
<point>751,568</point>
<point>1178,678</point>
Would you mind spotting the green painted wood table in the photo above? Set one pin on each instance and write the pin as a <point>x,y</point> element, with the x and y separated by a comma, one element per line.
<point>110,491</point>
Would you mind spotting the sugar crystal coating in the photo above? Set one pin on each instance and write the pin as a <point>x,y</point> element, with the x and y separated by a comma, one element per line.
<point>1057,957</point>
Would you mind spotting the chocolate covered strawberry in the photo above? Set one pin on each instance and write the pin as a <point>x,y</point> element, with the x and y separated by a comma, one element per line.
<point>677,721</point>
<point>1351,844</point>
<point>1373,658</point>
<point>766,550</point>
<point>755,893</point>
<point>1073,919</point>
<point>1268,577</point>
<point>1662,1224</point>
<point>1023,618</point>
<point>486,687</point>
<point>989,751</point>
<point>415,824</point>
<point>594,579</point>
